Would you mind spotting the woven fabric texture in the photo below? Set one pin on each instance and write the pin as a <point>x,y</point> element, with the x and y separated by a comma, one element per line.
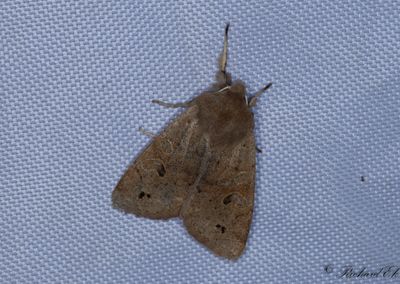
<point>76,81</point>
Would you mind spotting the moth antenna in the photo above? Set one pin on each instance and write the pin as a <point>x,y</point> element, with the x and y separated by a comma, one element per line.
<point>253,100</point>
<point>146,133</point>
<point>170,105</point>
<point>224,54</point>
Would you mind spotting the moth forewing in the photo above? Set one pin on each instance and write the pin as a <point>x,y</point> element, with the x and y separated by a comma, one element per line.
<point>201,168</point>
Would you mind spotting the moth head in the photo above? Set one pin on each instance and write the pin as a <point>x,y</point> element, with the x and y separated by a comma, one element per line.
<point>238,90</point>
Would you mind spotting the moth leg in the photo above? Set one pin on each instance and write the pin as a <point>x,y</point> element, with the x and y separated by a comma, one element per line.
<point>223,89</point>
<point>253,99</point>
<point>146,133</point>
<point>171,105</point>
<point>258,150</point>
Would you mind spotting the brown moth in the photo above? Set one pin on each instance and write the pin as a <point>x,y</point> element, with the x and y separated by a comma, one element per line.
<point>201,168</point>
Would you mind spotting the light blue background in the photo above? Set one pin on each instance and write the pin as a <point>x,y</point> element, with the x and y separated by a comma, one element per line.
<point>76,80</point>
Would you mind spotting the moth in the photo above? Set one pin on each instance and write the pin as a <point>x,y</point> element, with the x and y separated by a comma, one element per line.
<point>201,167</point>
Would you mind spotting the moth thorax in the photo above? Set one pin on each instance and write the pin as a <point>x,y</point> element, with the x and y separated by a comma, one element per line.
<point>225,117</point>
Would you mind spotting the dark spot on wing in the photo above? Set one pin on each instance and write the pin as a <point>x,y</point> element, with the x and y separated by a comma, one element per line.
<point>143,194</point>
<point>222,228</point>
<point>161,170</point>
<point>228,199</point>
